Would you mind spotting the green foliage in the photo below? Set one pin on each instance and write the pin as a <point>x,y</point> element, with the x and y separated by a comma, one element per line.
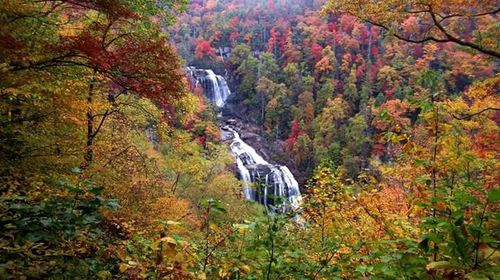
<point>60,234</point>
<point>248,70</point>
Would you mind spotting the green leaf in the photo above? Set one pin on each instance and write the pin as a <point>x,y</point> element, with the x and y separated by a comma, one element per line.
<point>103,275</point>
<point>425,180</point>
<point>76,170</point>
<point>96,190</point>
<point>112,204</point>
<point>494,195</point>
<point>424,244</point>
<point>361,268</point>
<point>459,221</point>
<point>358,245</point>
<point>422,162</point>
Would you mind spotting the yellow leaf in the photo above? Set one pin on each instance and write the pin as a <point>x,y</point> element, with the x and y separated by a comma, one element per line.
<point>154,245</point>
<point>438,265</point>
<point>173,223</point>
<point>214,227</point>
<point>169,239</point>
<point>245,269</point>
<point>123,267</point>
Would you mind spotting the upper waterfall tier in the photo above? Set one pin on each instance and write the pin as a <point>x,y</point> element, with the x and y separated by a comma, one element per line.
<point>214,86</point>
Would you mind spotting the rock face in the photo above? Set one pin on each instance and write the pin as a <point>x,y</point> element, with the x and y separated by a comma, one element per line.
<point>249,135</point>
<point>252,135</point>
<point>234,109</point>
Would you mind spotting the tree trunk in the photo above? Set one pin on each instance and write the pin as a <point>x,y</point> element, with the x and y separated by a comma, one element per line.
<point>89,151</point>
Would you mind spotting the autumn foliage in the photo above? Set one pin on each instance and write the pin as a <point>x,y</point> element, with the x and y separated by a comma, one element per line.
<point>385,111</point>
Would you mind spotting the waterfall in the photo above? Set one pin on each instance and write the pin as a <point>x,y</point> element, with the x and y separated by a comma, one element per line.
<point>216,96</point>
<point>263,182</point>
<point>224,89</point>
<point>214,86</point>
<point>276,180</point>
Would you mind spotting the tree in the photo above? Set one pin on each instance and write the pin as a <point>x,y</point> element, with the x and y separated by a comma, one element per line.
<point>278,111</point>
<point>326,91</point>
<point>268,66</point>
<point>266,89</point>
<point>327,66</point>
<point>248,72</point>
<point>303,153</point>
<point>204,49</point>
<point>358,145</point>
<point>293,79</point>
<point>351,89</point>
<point>437,21</point>
<point>109,50</point>
<point>326,130</point>
<point>238,55</point>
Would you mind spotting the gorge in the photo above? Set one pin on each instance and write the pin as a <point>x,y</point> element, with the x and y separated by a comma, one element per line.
<point>271,185</point>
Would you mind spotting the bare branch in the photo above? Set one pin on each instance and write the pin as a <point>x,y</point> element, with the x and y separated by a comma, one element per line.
<point>470,116</point>
<point>437,23</point>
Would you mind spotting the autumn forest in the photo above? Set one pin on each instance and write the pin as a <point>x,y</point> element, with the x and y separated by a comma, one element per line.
<point>249,139</point>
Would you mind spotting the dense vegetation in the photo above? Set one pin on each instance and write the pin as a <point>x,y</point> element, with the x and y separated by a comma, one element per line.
<point>112,168</point>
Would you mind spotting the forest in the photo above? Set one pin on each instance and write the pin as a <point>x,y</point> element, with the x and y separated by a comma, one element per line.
<point>249,139</point>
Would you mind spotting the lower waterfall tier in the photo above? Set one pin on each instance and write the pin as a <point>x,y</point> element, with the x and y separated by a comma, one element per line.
<point>268,184</point>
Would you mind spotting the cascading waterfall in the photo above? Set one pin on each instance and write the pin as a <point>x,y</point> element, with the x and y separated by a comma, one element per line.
<point>273,181</point>
<point>263,182</point>
<point>215,86</point>
<point>224,89</point>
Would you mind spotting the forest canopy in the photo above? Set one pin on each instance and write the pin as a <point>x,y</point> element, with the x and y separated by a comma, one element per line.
<point>115,162</point>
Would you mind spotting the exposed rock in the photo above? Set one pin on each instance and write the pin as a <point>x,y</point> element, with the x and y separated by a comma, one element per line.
<point>231,122</point>
<point>249,135</point>
<point>261,169</point>
<point>264,154</point>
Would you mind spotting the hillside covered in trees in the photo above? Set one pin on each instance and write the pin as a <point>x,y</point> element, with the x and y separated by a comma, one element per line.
<point>249,139</point>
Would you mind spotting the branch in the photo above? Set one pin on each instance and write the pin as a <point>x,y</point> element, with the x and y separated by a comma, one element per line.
<point>116,38</point>
<point>43,14</point>
<point>449,37</point>
<point>469,116</point>
<point>478,240</point>
<point>458,41</point>
<point>53,62</point>
<point>117,155</point>
<point>105,115</point>
<point>324,265</point>
<point>465,15</point>
<point>409,40</point>
<point>124,151</point>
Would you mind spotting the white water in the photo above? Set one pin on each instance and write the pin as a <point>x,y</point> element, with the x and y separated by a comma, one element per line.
<point>217,96</point>
<point>279,181</point>
<point>224,90</point>
<point>215,86</point>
